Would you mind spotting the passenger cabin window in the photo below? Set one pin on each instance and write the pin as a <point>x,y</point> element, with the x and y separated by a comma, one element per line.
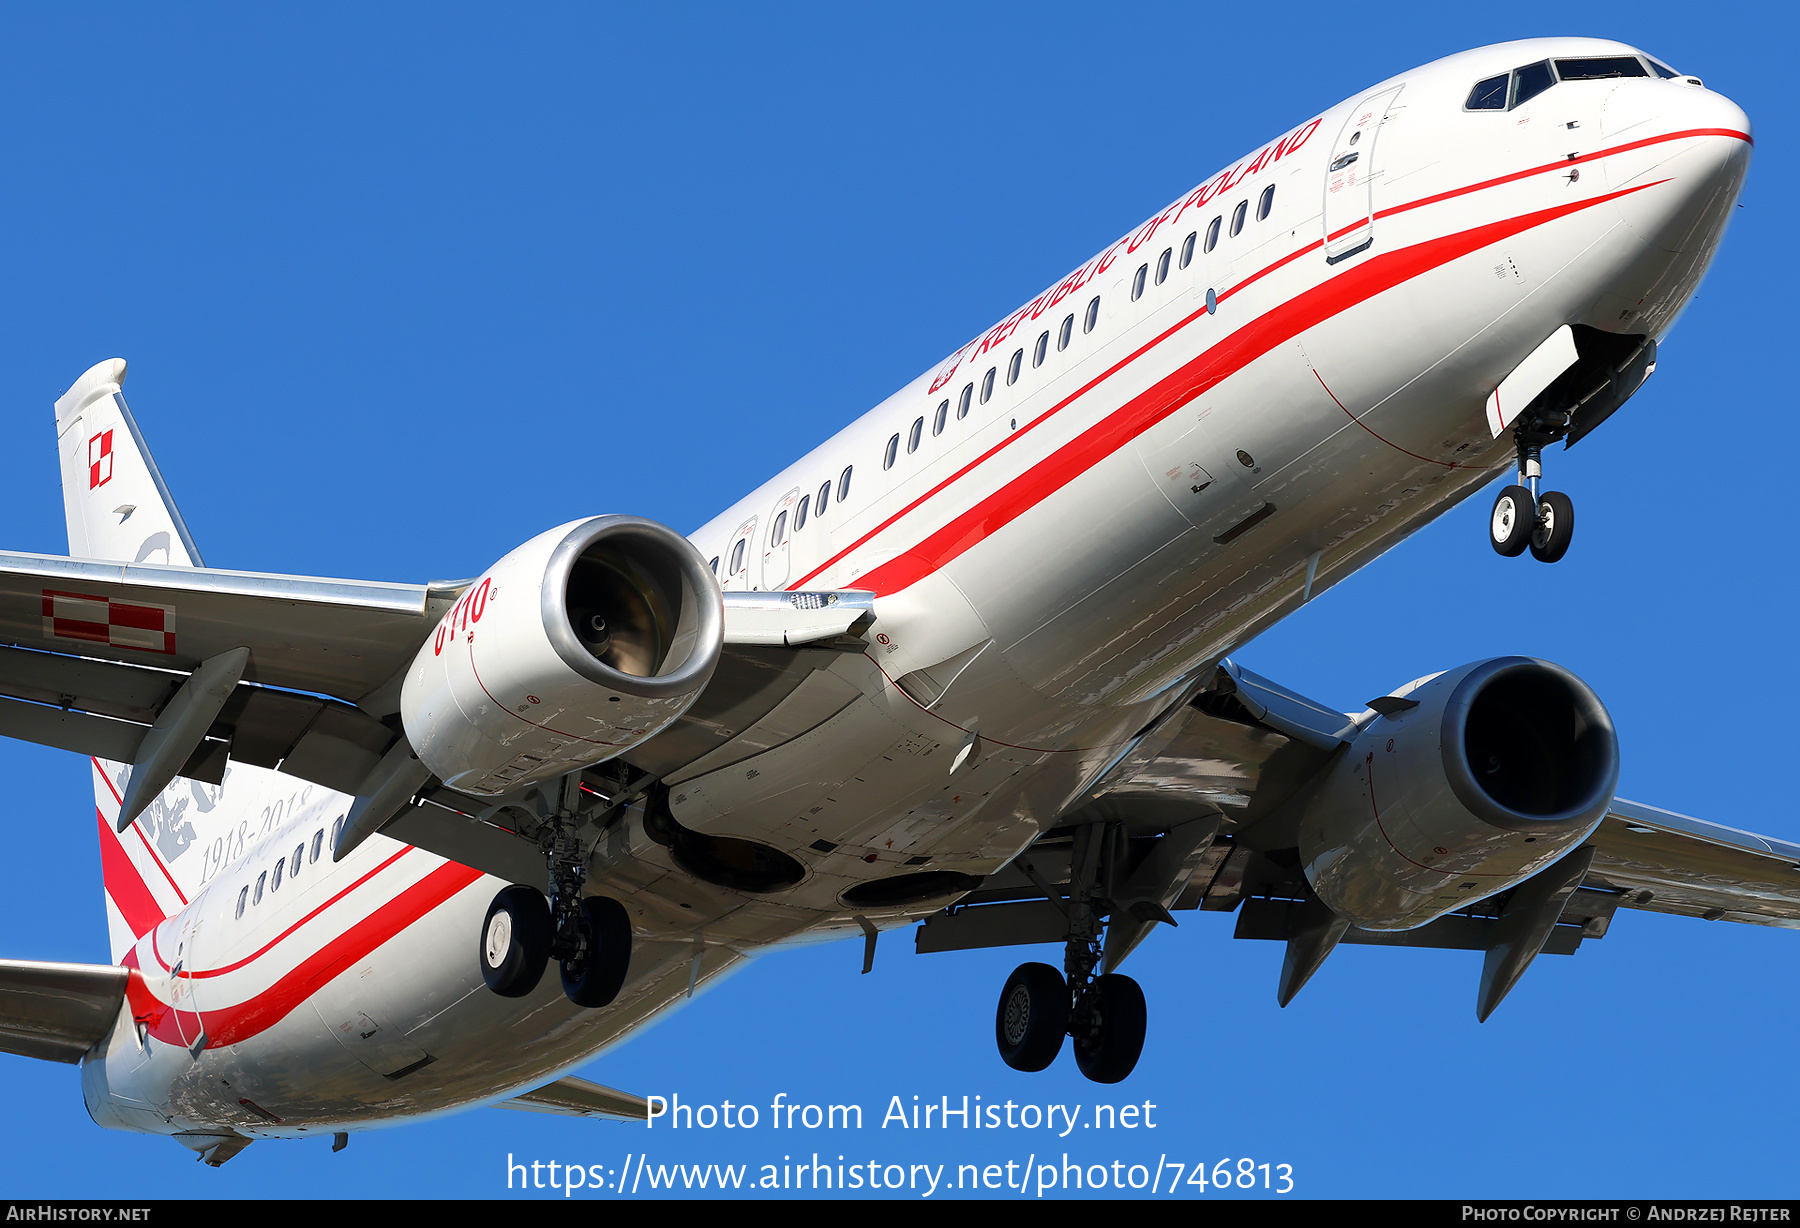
<point>1162,266</point>
<point>913,436</point>
<point>1187,250</point>
<point>1093,315</point>
<point>844,483</point>
<point>943,416</point>
<point>261,881</point>
<point>1012,368</point>
<point>299,849</point>
<point>1265,202</point>
<point>715,565</point>
<point>1065,332</point>
<point>824,496</point>
<point>1137,282</point>
<point>319,836</point>
<point>962,402</point>
<point>276,884</point>
<point>1237,217</point>
<point>243,899</point>
<point>800,512</point>
<point>337,829</point>
<point>893,450</point>
<point>987,385</point>
<point>1040,350</point>
<point>1212,234</point>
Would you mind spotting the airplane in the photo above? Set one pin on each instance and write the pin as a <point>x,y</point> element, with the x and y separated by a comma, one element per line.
<point>895,710</point>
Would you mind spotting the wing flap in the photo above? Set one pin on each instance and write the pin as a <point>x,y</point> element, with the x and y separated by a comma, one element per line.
<point>105,709</point>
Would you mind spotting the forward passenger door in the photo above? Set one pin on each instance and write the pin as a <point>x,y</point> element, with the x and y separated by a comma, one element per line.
<point>1349,203</point>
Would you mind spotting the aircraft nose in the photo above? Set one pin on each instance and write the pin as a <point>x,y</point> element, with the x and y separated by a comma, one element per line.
<point>1681,153</point>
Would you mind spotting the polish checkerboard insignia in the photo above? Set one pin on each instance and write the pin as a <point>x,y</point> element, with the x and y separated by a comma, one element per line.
<point>103,620</point>
<point>100,460</point>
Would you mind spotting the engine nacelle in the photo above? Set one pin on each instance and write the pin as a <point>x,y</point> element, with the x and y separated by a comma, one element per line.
<point>569,651</point>
<point>1503,767</point>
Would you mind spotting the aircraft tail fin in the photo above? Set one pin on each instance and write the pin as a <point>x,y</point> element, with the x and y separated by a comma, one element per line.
<point>117,505</point>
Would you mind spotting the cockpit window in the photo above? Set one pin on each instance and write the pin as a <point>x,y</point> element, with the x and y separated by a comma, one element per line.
<point>1489,95</point>
<point>1597,68</point>
<point>1530,81</point>
<point>1533,79</point>
<point>1663,70</point>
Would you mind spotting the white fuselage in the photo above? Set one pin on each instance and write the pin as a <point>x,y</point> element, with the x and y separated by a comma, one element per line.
<point>1052,567</point>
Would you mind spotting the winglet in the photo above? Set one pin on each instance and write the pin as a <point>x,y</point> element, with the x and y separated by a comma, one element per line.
<point>117,506</point>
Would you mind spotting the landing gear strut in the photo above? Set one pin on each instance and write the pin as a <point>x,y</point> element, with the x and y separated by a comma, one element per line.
<point>1105,1015</point>
<point>1522,517</point>
<point>590,936</point>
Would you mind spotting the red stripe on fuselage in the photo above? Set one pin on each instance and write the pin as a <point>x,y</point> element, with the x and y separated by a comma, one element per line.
<point>1373,276</point>
<point>270,945</point>
<point>1226,295</point>
<point>236,1024</point>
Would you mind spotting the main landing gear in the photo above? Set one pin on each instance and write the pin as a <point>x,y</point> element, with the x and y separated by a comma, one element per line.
<point>590,936</point>
<point>1522,518</point>
<point>1104,1015</point>
<point>1107,1020</point>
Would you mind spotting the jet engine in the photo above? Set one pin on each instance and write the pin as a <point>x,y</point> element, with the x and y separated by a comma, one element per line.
<point>580,644</point>
<point>1460,785</point>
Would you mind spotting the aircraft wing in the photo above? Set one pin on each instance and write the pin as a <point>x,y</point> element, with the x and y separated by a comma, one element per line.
<point>343,638</point>
<point>94,655</point>
<point>1218,783</point>
<point>1249,746</point>
<point>1667,862</point>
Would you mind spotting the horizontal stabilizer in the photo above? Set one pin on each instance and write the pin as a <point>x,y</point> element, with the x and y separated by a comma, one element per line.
<point>574,1097</point>
<point>57,1011</point>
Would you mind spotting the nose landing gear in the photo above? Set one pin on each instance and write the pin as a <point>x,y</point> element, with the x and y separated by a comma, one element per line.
<point>1522,518</point>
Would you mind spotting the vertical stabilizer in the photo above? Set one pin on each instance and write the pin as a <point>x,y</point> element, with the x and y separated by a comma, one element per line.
<point>117,504</point>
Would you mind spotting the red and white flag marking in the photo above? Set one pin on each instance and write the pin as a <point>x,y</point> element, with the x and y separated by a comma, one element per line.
<point>102,620</point>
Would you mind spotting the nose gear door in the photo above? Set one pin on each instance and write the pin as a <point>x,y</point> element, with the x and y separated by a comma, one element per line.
<point>1349,205</point>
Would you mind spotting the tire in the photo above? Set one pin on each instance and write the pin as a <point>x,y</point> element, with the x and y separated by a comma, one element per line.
<point>1033,1017</point>
<point>1555,527</point>
<point>514,944</point>
<point>1110,1052</point>
<point>1511,522</point>
<point>595,979</point>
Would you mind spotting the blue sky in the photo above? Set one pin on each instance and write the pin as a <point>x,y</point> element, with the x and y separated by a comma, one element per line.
<point>401,288</point>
